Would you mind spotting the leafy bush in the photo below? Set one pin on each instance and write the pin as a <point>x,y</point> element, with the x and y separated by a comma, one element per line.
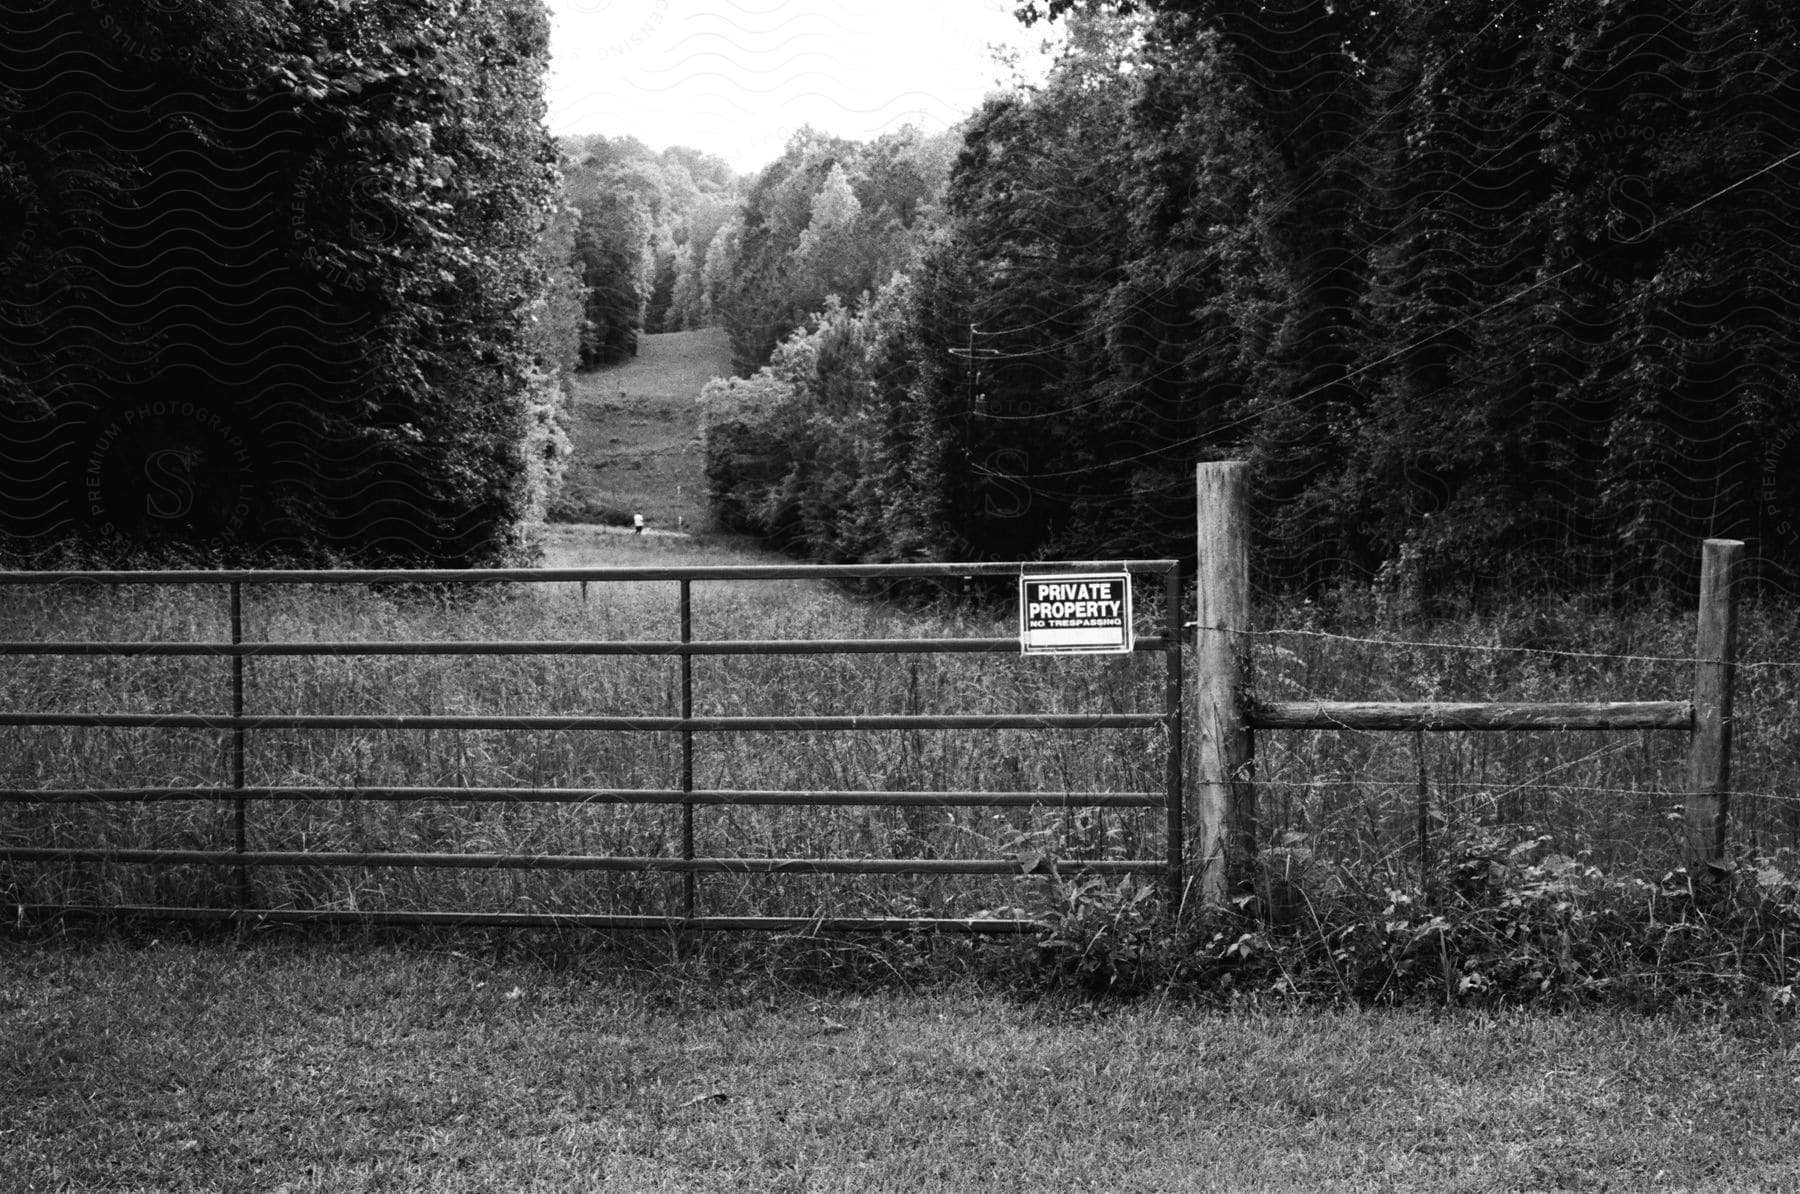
<point>1502,922</point>
<point>1101,936</point>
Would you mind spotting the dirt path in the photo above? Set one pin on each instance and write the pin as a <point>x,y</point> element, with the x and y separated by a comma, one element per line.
<point>584,545</point>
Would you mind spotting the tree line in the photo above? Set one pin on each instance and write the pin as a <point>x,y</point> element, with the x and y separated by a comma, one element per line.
<point>1490,294</point>
<point>1493,296</point>
<point>647,224</point>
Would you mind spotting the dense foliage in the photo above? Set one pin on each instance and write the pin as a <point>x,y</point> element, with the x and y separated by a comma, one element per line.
<point>647,221</point>
<point>281,279</point>
<point>828,217</point>
<point>1504,922</point>
<point>800,453</point>
<point>1490,295</point>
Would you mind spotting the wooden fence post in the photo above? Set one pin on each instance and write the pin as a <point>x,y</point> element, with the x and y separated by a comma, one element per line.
<point>1224,818</point>
<point>1709,749</point>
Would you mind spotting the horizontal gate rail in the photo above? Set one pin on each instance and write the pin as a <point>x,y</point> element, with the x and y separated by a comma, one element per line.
<point>777,646</point>
<point>577,862</point>
<point>557,721</point>
<point>594,796</point>
<point>429,576</point>
<point>237,795</point>
<point>554,920</point>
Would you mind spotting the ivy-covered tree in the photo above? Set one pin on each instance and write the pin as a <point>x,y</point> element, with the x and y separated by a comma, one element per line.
<point>285,309</point>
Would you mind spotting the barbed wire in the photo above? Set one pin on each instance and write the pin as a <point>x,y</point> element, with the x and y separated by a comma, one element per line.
<point>1467,785</point>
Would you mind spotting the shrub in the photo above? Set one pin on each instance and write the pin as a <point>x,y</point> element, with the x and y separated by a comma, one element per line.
<point>1504,921</point>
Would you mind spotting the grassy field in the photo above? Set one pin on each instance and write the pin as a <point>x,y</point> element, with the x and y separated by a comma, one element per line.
<point>636,434</point>
<point>1339,810</point>
<point>353,761</point>
<point>315,1066</point>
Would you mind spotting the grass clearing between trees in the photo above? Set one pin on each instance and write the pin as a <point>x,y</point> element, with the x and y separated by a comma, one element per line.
<point>635,429</point>
<point>357,1065</point>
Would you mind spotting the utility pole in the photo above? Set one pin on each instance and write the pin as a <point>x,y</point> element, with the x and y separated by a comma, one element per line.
<point>974,367</point>
<point>977,404</point>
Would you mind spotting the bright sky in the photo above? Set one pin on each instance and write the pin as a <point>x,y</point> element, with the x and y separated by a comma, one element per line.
<point>736,77</point>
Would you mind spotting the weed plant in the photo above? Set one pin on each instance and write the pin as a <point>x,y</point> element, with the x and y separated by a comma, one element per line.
<point>1379,804</point>
<point>1499,923</point>
<point>1489,869</point>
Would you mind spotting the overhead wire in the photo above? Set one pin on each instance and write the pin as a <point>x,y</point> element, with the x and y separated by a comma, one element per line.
<point>1285,204</point>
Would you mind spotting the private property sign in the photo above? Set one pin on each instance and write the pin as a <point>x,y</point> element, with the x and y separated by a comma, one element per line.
<point>1090,612</point>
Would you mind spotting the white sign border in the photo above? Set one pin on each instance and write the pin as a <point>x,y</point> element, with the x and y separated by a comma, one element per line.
<point>1130,635</point>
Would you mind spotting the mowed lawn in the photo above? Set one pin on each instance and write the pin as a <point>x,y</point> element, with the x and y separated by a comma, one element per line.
<point>306,1065</point>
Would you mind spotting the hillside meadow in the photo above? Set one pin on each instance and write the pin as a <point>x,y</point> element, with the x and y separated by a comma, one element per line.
<point>634,430</point>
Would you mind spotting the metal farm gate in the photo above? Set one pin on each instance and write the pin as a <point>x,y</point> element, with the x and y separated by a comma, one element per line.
<point>235,802</point>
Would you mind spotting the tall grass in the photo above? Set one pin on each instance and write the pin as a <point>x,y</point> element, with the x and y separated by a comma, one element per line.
<point>509,760</point>
<point>1613,800</point>
<point>1339,811</point>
